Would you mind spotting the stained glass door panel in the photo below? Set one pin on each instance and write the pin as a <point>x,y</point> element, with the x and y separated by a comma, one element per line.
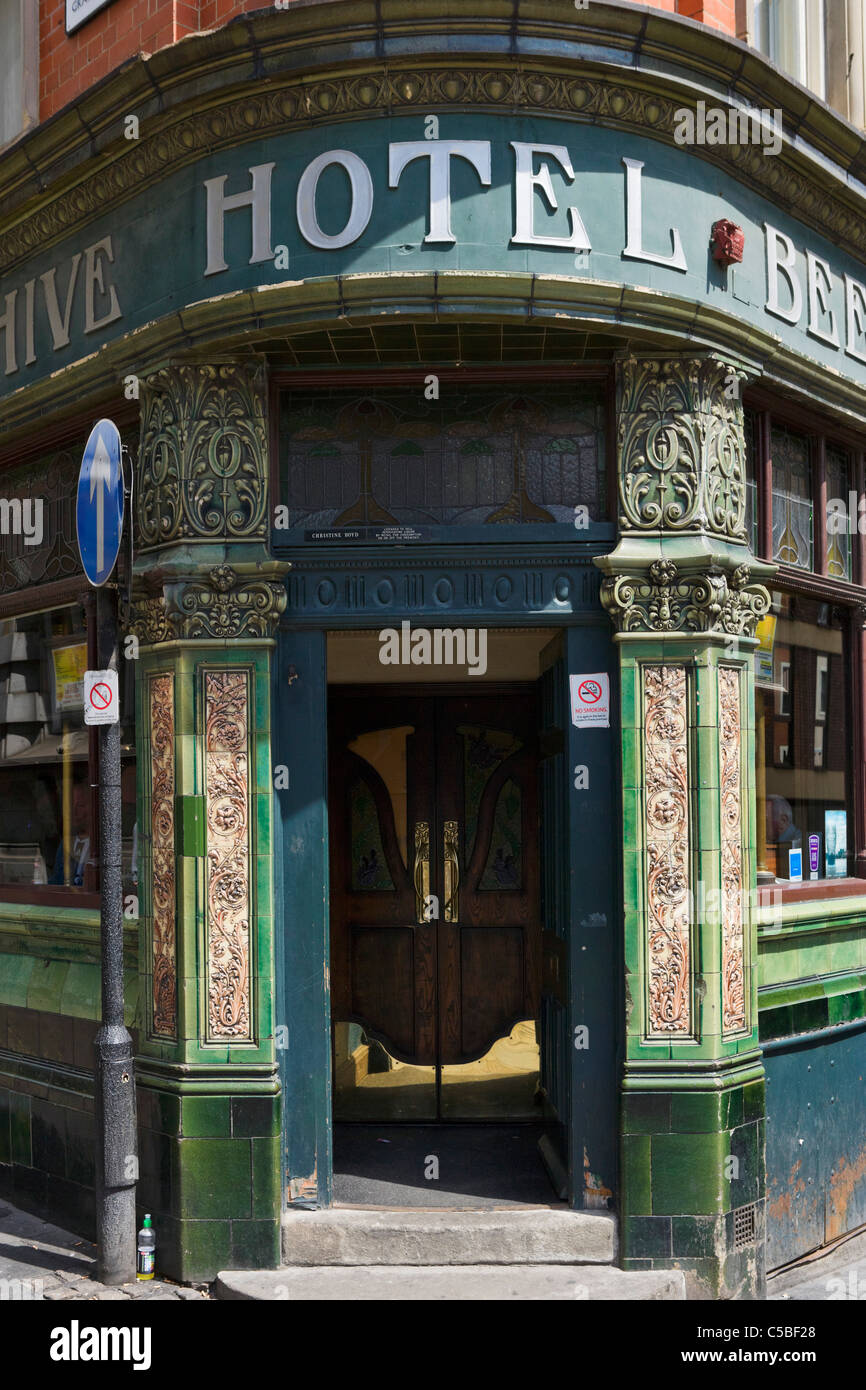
<point>434,906</point>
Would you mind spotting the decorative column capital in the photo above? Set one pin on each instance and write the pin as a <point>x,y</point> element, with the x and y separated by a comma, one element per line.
<point>243,601</point>
<point>203,457</point>
<point>663,600</point>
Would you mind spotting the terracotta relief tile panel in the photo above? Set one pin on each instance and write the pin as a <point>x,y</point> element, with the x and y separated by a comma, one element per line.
<point>227,854</point>
<point>666,827</point>
<point>733,944</point>
<point>164,946</point>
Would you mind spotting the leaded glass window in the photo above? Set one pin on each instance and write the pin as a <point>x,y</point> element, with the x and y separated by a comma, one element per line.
<point>750,431</point>
<point>480,456</point>
<point>792,499</point>
<point>838,538</point>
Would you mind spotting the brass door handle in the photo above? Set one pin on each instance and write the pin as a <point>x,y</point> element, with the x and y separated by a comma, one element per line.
<point>452,870</point>
<point>422,868</point>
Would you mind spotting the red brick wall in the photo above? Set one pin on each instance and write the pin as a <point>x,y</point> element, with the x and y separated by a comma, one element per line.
<point>69,65</point>
<point>718,14</point>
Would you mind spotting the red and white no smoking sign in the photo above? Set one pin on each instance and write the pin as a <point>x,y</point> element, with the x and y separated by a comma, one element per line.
<point>590,700</point>
<point>100,697</point>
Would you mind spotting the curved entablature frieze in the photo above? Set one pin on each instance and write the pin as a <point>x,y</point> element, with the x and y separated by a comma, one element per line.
<point>606,64</point>
<point>203,460</point>
<point>222,184</point>
<point>681,447</point>
<point>665,601</point>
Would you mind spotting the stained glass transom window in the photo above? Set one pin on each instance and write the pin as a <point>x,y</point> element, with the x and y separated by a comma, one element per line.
<point>479,456</point>
<point>792,499</point>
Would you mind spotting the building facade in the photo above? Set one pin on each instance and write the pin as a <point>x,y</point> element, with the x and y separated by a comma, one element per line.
<point>492,679</point>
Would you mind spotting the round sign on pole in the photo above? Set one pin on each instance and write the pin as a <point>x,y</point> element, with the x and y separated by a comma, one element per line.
<point>99,502</point>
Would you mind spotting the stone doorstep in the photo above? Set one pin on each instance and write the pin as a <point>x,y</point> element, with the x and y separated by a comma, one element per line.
<point>473,1283</point>
<point>371,1236</point>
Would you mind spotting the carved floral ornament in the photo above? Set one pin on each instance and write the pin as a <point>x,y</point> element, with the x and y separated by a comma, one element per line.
<point>222,604</point>
<point>733,934</point>
<point>664,600</point>
<point>163,944</point>
<point>203,459</point>
<point>681,447</point>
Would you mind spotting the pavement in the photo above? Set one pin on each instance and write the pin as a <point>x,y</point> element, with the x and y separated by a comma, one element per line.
<point>41,1261</point>
<point>441,1283</point>
<point>837,1276</point>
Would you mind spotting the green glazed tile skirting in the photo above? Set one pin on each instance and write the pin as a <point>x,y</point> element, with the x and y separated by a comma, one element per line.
<point>211,1169</point>
<point>809,1005</point>
<point>690,1160</point>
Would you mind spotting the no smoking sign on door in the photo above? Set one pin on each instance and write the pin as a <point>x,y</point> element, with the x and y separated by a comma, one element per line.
<point>590,700</point>
<point>100,697</point>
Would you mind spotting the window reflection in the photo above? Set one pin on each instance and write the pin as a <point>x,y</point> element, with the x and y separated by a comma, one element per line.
<point>803,780</point>
<point>48,779</point>
<point>45,798</point>
<point>370,1084</point>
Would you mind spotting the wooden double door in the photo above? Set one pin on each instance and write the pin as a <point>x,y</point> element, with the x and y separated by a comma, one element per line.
<point>435,921</point>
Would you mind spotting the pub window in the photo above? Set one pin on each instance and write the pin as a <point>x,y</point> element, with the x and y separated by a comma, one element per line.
<point>838,536</point>
<point>803,738</point>
<point>48,762</point>
<point>478,458</point>
<point>792,499</point>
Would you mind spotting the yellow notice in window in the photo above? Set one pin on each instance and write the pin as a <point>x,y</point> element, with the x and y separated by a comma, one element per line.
<point>766,635</point>
<point>70,663</point>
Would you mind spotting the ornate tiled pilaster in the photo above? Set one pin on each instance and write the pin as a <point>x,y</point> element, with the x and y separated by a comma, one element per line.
<point>206,602</point>
<point>685,595</point>
<point>203,459</point>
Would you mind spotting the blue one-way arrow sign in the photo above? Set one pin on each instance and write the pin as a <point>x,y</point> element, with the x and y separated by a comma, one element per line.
<point>99,505</point>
